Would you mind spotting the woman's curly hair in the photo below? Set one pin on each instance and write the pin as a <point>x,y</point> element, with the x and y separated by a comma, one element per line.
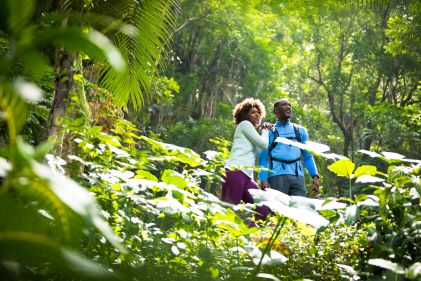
<point>242,109</point>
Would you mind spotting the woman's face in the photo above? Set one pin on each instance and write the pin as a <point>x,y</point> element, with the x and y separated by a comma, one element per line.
<point>254,116</point>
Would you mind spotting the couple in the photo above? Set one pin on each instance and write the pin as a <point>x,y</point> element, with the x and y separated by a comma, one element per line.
<point>284,161</point>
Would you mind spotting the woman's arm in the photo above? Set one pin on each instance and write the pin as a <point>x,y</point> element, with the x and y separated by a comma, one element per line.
<point>251,134</point>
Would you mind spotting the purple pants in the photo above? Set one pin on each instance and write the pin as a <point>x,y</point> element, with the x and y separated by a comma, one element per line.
<point>235,188</point>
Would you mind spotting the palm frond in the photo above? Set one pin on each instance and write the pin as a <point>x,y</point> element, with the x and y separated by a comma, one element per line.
<point>143,49</point>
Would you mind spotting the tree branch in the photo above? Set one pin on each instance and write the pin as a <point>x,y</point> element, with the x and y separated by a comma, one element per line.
<point>194,19</point>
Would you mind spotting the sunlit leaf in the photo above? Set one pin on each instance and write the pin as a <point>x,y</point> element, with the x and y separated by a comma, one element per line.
<point>369,153</point>
<point>368,200</point>
<point>387,265</point>
<point>295,207</point>
<point>368,179</point>
<point>311,146</point>
<point>392,155</point>
<point>78,199</point>
<point>178,153</point>
<point>276,258</point>
<point>84,266</point>
<point>267,276</point>
<point>27,90</point>
<point>414,271</point>
<point>348,269</point>
<point>5,167</point>
<point>170,205</point>
<point>142,174</point>
<point>231,222</point>
<point>342,168</point>
<point>365,170</point>
<point>172,177</point>
<point>175,250</point>
<point>94,43</point>
<point>351,214</point>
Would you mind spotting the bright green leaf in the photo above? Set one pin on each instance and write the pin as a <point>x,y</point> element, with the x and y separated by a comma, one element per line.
<point>365,170</point>
<point>342,168</point>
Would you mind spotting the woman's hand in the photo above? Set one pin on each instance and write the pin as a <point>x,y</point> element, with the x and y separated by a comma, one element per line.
<point>266,125</point>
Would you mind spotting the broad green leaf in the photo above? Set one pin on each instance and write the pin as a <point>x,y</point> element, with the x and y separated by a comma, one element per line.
<point>175,250</point>
<point>27,90</point>
<point>311,146</point>
<point>342,168</point>
<point>77,263</point>
<point>392,155</point>
<point>267,276</point>
<point>276,258</point>
<point>365,170</point>
<point>214,272</point>
<point>369,153</point>
<point>169,205</point>
<point>93,43</point>
<point>231,222</point>
<point>368,179</point>
<point>19,13</point>
<point>172,177</point>
<point>94,130</point>
<point>142,174</point>
<point>414,271</point>
<point>295,207</point>
<point>79,200</point>
<point>351,214</point>
<point>387,265</point>
<point>177,153</point>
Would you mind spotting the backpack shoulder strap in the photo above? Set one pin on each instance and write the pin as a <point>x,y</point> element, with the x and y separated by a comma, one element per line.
<point>274,143</point>
<point>297,132</point>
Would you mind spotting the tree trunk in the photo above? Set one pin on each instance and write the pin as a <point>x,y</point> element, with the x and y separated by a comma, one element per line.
<point>209,92</point>
<point>62,86</point>
<point>78,109</point>
<point>63,81</point>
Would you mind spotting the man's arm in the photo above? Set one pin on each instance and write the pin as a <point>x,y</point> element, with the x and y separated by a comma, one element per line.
<point>309,163</point>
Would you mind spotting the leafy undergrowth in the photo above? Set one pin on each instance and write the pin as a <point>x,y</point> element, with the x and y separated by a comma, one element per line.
<point>164,225</point>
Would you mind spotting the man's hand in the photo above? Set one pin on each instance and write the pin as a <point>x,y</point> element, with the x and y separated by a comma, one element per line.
<point>264,185</point>
<point>315,184</point>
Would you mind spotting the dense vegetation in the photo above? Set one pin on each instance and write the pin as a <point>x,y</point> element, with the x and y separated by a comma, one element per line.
<point>115,121</point>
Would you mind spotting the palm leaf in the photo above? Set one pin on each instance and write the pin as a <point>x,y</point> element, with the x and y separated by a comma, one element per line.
<point>143,49</point>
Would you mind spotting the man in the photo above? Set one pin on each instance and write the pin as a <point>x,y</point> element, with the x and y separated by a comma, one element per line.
<point>285,160</point>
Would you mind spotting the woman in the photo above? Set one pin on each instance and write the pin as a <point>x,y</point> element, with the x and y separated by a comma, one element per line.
<point>247,115</point>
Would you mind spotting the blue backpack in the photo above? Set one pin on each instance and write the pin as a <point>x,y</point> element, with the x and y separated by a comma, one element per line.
<point>274,144</point>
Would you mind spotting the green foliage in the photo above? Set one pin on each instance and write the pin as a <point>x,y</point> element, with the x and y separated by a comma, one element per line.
<point>156,219</point>
<point>147,28</point>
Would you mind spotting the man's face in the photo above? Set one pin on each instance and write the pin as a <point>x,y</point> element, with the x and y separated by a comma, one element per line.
<point>283,109</point>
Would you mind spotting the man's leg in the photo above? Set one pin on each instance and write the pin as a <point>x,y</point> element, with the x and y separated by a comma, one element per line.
<point>297,186</point>
<point>280,183</point>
